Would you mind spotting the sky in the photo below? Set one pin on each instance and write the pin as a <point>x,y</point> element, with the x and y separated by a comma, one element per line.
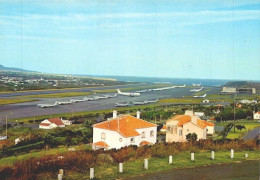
<point>208,39</point>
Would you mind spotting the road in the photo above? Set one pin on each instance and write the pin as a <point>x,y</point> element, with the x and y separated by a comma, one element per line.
<point>253,134</point>
<point>247,170</point>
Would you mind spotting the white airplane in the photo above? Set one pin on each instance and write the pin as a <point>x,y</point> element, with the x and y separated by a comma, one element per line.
<point>65,102</point>
<point>152,101</point>
<point>142,91</point>
<point>47,105</point>
<point>197,85</point>
<point>111,96</point>
<point>200,96</point>
<point>127,93</point>
<point>121,105</point>
<point>216,85</point>
<point>139,103</point>
<point>184,85</point>
<point>196,90</point>
<point>77,100</point>
<point>92,99</point>
<point>101,97</point>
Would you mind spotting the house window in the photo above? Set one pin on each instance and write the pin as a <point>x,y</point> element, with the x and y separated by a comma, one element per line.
<point>151,133</point>
<point>132,140</point>
<point>103,136</point>
<point>188,130</point>
<point>180,132</point>
<point>120,139</point>
<point>143,134</point>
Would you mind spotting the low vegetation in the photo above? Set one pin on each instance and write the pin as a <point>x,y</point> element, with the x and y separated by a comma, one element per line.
<point>81,161</point>
<point>13,101</point>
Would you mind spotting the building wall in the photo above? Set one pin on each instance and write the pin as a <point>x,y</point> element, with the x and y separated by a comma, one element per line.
<point>176,136</point>
<point>210,129</point>
<point>256,116</point>
<point>113,137</point>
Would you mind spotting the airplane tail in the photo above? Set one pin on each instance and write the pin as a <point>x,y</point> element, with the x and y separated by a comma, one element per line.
<point>56,103</point>
<point>118,91</point>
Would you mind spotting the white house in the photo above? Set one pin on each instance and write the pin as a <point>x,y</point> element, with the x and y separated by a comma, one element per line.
<point>123,130</point>
<point>199,114</point>
<point>257,115</point>
<point>205,101</point>
<point>180,125</point>
<point>51,123</point>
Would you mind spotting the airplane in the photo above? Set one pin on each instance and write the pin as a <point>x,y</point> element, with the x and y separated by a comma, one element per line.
<point>101,97</point>
<point>111,96</point>
<point>196,90</point>
<point>121,105</point>
<point>65,102</point>
<point>216,85</point>
<point>92,99</point>
<point>200,96</point>
<point>47,105</point>
<point>151,101</point>
<point>142,91</point>
<point>184,85</point>
<point>139,103</point>
<point>127,93</point>
<point>196,84</point>
<point>77,100</point>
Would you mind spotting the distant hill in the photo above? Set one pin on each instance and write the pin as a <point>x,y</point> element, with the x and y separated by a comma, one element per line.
<point>3,68</point>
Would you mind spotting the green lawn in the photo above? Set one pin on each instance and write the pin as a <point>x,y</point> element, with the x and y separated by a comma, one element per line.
<point>13,101</point>
<point>182,160</point>
<point>57,95</point>
<point>240,134</point>
<point>180,100</point>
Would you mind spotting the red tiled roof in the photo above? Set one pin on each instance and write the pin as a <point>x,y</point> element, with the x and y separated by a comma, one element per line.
<point>127,125</point>
<point>145,143</point>
<point>101,144</point>
<point>164,127</point>
<point>56,121</point>
<point>183,119</point>
<point>45,124</point>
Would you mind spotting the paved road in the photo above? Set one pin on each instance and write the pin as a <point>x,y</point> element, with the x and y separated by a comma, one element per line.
<point>247,170</point>
<point>253,134</point>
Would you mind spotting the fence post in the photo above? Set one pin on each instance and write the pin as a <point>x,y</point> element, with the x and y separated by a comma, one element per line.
<point>121,167</point>
<point>232,153</point>
<point>170,159</point>
<point>246,155</point>
<point>192,157</point>
<point>91,175</point>
<point>146,164</point>
<point>212,155</point>
<point>61,171</point>
<point>59,176</point>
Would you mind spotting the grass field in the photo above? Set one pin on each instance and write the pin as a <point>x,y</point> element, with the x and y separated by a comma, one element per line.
<point>57,95</point>
<point>249,125</point>
<point>182,160</point>
<point>13,101</point>
<point>180,100</point>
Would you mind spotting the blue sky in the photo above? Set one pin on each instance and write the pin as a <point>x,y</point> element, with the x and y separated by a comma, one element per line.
<point>159,38</point>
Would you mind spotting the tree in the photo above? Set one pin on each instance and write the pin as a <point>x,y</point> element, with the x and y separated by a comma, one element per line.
<point>240,127</point>
<point>191,137</point>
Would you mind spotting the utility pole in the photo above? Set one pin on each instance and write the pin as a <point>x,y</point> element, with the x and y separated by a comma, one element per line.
<point>6,125</point>
<point>234,114</point>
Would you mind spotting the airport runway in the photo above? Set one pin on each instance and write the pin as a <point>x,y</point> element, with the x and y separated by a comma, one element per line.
<point>30,109</point>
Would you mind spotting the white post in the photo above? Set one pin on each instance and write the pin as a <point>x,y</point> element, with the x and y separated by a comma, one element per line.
<point>246,155</point>
<point>59,176</point>
<point>145,163</point>
<point>61,171</point>
<point>232,153</point>
<point>121,167</point>
<point>192,157</point>
<point>170,159</point>
<point>91,175</point>
<point>212,155</point>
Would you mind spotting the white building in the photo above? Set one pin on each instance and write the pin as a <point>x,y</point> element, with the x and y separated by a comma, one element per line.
<point>205,101</point>
<point>123,130</point>
<point>51,123</point>
<point>257,115</point>
<point>199,114</point>
<point>180,125</point>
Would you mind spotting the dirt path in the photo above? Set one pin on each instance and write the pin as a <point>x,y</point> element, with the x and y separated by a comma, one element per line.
<point>247,170</point>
